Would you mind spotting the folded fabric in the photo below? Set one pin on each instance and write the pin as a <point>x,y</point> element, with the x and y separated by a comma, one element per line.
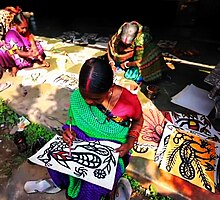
<point>46,185</point>
<point>4,86</point>
<point>124,189</point>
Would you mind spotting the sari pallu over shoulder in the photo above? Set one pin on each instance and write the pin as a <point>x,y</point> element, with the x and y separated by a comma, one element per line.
<point>88,128</point>
<point>84,119</point>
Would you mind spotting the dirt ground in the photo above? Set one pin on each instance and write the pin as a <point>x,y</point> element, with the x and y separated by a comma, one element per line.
<point>13,165</point>
<point>8,155</point>
<point>12,161</point>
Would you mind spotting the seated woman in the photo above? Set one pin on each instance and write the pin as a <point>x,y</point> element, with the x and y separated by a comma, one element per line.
<point>132,49</point>
<point>19,48</point>
<point>99,110</point>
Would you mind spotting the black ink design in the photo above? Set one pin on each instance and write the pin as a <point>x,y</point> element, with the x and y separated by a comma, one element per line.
<point>91,159</point>
<point>81,171</point>
<point>191,158</point>
<point>140,148</point>
<point>193,122</point>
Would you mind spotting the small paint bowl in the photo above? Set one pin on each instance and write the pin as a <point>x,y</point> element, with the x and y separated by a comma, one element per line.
<point>152,91</point>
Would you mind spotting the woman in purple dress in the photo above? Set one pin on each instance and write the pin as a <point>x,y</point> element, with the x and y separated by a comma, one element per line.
<point>19,48</point>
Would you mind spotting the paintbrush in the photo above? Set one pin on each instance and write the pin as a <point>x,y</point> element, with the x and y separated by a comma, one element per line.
<point>70,154</point>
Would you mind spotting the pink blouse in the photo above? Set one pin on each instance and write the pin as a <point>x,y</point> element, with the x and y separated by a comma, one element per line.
<point>128,106</point>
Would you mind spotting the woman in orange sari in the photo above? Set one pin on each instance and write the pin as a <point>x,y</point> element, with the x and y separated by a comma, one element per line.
<point>132,49</point>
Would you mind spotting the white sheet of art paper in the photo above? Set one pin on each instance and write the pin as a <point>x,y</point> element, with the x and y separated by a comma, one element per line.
<point>168,129</point>
<point>94,161</point>
<point>194,98</point>
<point>31,77</point>
<point>63,79</point>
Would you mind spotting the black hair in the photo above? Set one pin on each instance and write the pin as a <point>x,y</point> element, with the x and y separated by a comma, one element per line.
<point>19,18</point>
<point>96,76</point>
<point>1,72</point>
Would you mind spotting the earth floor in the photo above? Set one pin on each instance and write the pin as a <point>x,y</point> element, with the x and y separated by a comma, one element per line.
<point>11,160</point>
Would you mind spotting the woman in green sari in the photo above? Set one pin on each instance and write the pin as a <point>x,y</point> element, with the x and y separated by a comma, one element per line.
<point>100,110</point>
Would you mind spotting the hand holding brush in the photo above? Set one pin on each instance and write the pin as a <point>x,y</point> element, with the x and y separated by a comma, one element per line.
<point>69,136</point>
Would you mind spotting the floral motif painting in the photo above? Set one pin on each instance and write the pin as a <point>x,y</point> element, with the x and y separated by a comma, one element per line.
<point>151,133</point>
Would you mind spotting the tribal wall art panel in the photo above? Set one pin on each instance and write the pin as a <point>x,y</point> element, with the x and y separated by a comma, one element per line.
<point>192,158</point>
<point>93,161</point>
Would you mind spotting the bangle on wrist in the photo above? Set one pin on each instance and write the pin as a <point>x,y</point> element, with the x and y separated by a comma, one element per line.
<point>125,64</point>
<point>131,136</point>
<point>111,61</point>
<point>133,133</point>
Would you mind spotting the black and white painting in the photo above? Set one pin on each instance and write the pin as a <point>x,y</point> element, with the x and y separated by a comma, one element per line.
<point>93,161</point>
<point>190,157</point>
<point>63,79</point>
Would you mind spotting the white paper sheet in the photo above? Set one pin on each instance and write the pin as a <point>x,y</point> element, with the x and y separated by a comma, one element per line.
<point>32,76</point>
<point>195,99</point>
<point>63,79</point>
<point>93,161</point>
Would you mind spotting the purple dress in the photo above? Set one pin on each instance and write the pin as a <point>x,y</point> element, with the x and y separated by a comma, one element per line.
<point>8,56</point>
<point>87,190</point>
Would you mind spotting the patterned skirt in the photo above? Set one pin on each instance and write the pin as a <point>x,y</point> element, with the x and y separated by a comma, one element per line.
<point>153,64</point>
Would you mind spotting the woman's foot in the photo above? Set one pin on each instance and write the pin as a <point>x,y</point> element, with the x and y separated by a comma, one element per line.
<point>46,64</point>
<point>41,65</point>
<point>14,71</point>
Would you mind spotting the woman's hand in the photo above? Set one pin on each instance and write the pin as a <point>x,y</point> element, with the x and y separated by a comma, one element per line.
<point>124,65</point>
<point>14,71</point>
<point>123,149</point>
<point>112,63</point>
<point>69,136</point>
<point>34,50</point>
<point>34,53</point>
<point>28,54</point>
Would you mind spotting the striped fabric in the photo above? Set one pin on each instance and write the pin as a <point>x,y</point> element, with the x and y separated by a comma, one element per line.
<point>146,54</point>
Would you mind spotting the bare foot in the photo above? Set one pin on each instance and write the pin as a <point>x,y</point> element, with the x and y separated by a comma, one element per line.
<point>46,64</point>
<point>14,71</point>
<point>41,65</point>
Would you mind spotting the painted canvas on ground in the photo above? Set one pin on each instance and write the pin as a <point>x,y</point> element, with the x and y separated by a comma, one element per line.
<point>168,130</point>
<point>63,79</point>
<point>154,121</point>
<point>95,162</point>
<point>151,133</point>
<point>34,76</point>
<point>191,157</point>
<point>194,123</point>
